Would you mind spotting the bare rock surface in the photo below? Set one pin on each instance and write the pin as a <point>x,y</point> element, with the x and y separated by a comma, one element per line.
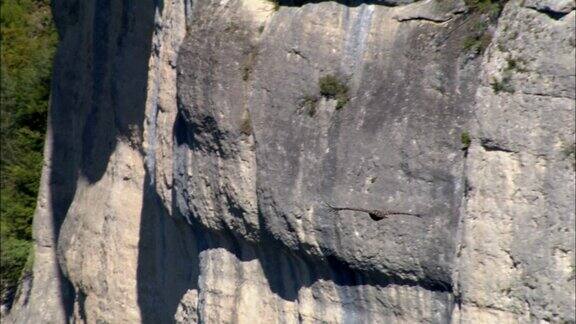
<point>194,147</point>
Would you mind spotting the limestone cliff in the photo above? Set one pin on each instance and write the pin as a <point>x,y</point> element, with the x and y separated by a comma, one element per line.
<point>192,152</point>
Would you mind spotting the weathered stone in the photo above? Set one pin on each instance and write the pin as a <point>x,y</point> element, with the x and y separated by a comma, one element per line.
<point>551,6</point>
<point>187,176</point>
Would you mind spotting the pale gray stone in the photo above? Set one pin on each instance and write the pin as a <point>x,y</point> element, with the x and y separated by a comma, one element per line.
<point>191,158</point>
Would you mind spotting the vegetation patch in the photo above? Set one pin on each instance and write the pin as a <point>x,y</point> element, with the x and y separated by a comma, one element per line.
<point>569,152</point>
<point>275,4</point>
<point>515,64</point>
<point>28,45</point>
<point>310,105</point>
<point>246,125</point>
<point>331,87</point>
<point>490,7</point>
<point>502,85</point>
<point>466,140</point>
<point>483,13</point>
<point>479,41</point>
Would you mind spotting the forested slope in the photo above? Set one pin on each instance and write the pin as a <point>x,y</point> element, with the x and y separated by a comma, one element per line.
<point>28,44</point>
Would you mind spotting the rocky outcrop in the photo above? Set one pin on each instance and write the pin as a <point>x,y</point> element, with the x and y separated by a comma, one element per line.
<point>193,150</point>
<point>517,253</point>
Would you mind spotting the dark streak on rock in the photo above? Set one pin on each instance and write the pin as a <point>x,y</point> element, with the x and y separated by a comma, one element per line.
<point>556,15</point>
<point>491,145</point>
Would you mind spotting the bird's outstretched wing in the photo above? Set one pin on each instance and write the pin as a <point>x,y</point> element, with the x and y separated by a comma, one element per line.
<point>346,208</point>
<point>373,213</point>
<point>330,206</point>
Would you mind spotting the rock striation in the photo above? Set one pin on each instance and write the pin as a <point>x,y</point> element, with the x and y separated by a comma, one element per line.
<point>192,151</point>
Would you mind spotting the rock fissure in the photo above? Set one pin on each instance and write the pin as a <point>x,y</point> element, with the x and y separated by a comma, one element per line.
<point>491,145</point>
<point>552,14</point>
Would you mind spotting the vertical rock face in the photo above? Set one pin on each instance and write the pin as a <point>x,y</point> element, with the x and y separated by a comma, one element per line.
<point>194,151</point>
<point>517,252</point>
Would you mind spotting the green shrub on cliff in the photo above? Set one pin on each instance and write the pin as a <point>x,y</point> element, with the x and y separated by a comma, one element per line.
<point>492,7</point>
<point>332,87</point>
<point>466,140</point>
<point>28,43</point>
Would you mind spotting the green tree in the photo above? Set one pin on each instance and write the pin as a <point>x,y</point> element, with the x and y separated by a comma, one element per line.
<point>28,42</point>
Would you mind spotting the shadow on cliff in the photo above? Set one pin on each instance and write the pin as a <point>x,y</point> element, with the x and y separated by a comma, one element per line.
<point>169,265</point>
<point>169,259</point>
<point>348,3</point>
<point>98,95</point>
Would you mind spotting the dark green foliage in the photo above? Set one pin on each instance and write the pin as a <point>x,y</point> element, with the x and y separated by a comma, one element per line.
<point>512,64</point>
<point>332,87</point>
<point>569,152</point>
<point>502,85</point>
<point>479,42</point>
<point>13,257</point>
<point>482,14</point>
<point>466,140</point>
<point>515,64</point>
<point>490,7</point>
<point>28,43</point>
